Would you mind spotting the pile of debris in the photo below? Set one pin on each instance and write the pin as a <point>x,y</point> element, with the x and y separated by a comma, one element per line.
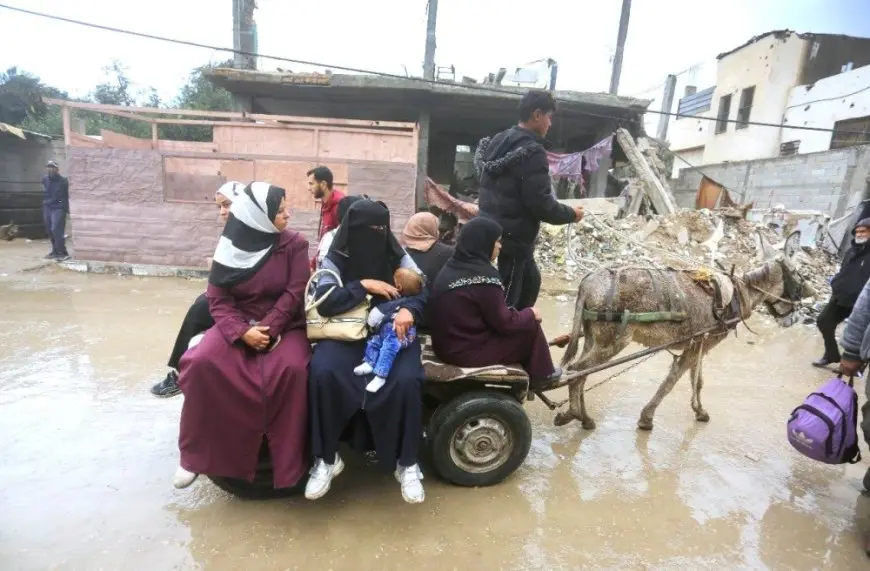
<point>680,240</point>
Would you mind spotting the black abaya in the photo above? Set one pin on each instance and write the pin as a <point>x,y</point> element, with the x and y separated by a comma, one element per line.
<point>336,395</point>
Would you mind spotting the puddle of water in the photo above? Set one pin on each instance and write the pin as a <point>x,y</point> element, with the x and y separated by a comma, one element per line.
<point>88,457</point>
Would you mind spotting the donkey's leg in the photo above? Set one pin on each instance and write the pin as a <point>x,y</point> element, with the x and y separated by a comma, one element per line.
<point>576,406</point>
<point>697,374</point>
<point>593,354</point>
<point>695,378</point>
<point>678,368</point>
<point>575,388</point>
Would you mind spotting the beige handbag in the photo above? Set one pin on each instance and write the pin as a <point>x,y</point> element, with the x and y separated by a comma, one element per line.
<point>348,326</point>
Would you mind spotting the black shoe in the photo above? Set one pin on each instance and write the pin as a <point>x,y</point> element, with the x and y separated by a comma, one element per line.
<point>51,256</point>
<point>168,387</point>
<point>824,362</point>
<point>62,258</point>
<point>544,384</point>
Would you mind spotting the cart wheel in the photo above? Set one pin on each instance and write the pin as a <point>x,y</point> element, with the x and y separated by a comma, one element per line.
<point>262,487</point>
<point>479,439</point>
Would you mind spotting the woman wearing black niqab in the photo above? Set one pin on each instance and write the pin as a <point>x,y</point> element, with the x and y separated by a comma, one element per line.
<point>365,254</point>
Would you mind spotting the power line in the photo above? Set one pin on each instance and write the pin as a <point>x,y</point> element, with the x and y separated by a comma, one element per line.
<point>829,98</point>
<point>471,86</point>
<point>483,88</point>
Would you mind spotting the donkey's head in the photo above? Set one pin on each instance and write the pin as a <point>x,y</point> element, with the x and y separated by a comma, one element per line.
<point>778,282</point>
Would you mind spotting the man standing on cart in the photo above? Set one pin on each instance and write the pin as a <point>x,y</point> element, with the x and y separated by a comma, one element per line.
<point>515,191</point>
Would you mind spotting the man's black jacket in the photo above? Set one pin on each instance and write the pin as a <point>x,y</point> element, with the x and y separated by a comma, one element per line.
<point>515,185</point>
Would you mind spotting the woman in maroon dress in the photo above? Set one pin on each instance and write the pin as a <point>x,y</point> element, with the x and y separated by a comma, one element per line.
<point>248,377</point>
<point>471,324</point>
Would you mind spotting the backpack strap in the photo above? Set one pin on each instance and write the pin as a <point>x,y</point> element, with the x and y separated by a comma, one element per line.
<point>853,453</point>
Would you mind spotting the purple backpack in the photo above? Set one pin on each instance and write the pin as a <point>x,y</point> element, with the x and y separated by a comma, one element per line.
<point>825,426</point>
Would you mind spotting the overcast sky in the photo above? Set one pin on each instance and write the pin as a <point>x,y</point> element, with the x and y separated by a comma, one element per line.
<point>477,36</point>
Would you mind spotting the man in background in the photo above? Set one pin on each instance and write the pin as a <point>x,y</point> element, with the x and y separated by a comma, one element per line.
<point>320,182</point>
<point>55,207</point>
<point>515,191</point>
<point>845,288</point>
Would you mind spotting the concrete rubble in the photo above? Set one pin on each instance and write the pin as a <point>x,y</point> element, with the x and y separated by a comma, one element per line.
<point>680,241</point>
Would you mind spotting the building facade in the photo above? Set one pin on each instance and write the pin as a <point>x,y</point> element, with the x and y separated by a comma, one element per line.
<point>779,78</point>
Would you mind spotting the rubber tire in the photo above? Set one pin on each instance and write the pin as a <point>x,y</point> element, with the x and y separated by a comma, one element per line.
<point>450,416</point>
<point>262,488</point>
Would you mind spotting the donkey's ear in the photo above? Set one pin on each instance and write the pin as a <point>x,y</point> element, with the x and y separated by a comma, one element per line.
<point>765,250</point>
<point>792,244</point>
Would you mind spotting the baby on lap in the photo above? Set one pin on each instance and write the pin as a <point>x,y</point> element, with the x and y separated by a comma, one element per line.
<point>383,345</point>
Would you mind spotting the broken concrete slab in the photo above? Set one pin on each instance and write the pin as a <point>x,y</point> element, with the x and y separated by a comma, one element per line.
<point>652,185</point>
<point>599,206</point>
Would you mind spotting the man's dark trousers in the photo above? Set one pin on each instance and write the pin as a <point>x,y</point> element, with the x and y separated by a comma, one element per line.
<point>519,274</point>
<point>55,223</point>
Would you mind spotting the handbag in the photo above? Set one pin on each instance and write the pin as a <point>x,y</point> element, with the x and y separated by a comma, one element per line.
<point>347,326</point>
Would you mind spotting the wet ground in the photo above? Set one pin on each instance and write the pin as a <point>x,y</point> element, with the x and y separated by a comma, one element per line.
<point>88,454</point>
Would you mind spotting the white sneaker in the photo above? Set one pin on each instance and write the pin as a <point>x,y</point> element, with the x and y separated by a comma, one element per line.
<point>321,477</point>
<point>376,384</point>
<point>412,487</point>
<point>363,370</point>
<point>183,478</point>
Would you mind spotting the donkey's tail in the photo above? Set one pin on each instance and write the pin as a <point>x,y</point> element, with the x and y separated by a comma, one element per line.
<point>577,333</point>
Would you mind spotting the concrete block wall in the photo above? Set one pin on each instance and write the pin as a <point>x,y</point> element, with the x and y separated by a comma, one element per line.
<point>830,181</point>
<point>22,166</point>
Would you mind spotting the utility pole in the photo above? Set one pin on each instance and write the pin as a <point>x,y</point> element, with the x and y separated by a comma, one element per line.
<point>667,103</point>
<point>244,39</point>
<point>620,46</point>
<point>429,57</point>
<point>425,112</point>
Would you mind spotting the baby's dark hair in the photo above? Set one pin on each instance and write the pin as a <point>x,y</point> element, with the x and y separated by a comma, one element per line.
<point>408,282</point>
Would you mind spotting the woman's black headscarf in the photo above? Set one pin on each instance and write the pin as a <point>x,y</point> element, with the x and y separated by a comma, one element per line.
<point>344,205</point>
<point>249,236</point>
<point>471,261</point>
<point>364,240</point>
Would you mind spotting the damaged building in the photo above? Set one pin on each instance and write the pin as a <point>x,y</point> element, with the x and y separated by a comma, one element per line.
<point>452,117</point>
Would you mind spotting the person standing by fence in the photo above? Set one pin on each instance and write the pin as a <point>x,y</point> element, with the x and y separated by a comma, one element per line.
<point>55,207</point>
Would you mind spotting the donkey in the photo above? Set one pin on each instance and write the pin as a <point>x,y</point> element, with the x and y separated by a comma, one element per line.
<point>775,283</point>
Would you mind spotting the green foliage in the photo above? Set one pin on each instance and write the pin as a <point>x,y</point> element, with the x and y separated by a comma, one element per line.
<point>21,103</point>
<point>201,94</point>
<point>20,96</point>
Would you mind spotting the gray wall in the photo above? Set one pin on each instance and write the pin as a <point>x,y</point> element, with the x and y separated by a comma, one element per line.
<point>22,166</point>
<point>830,181</point>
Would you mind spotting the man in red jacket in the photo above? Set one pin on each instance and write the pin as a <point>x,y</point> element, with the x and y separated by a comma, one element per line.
<point>320,186</point>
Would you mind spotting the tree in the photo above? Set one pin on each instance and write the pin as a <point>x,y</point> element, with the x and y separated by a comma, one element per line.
<point>20,96</point>
<point>21,103</point>
<point>115,89</point>
<point>201,94</point>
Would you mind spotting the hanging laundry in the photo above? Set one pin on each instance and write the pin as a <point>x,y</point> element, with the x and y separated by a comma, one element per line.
<point>569,166</point>
<point>576,166</point>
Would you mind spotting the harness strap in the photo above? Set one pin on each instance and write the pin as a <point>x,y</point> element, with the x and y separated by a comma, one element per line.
<point>624,317</point>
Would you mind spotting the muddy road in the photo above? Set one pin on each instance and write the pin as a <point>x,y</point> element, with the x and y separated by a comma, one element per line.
<point>88,455</point>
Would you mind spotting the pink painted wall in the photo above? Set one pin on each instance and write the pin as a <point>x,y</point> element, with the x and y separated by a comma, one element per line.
<point>144,206</point>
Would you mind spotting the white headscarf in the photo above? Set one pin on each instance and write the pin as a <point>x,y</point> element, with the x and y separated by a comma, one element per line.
<point>231,190</point>
<point>249,235</point>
